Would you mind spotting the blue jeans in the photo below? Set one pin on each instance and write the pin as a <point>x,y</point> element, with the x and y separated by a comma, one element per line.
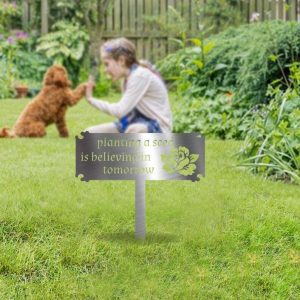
<point>135,116</point>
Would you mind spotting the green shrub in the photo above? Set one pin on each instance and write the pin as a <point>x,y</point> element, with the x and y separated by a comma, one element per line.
<point>7,12</point>
<point>243,60</point>
<point>185,65</point>
<point>66,45</point>
<point>31,66</point>
<point>8,70</point>
<point>103,84</point>
<point>254,55</point>
<point>218,118</point>
<point>6,80</point>
<point>19,62</point>
<point>272,145</point>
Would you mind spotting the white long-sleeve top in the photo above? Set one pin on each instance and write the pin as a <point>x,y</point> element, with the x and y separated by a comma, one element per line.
<point>145,91</point>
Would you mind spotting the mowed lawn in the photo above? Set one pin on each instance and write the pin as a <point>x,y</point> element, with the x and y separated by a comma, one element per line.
<point>230,236</point>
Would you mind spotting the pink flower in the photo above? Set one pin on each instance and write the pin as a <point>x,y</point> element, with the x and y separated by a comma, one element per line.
<point>11,40</point>
<point>20,35</point>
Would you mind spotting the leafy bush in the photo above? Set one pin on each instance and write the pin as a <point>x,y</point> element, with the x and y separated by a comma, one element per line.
<point>243,60</point>
<point>7,12</point>
<point>185,65</point>
<point>103,84</point>
<point>66,46</point>
<point>218,118</point>
<point>254,56</point>
<point>6,80</point>
<point>31,66</point>
<point>8,70</point>
<point>19,62</point>
<point>272,145</point>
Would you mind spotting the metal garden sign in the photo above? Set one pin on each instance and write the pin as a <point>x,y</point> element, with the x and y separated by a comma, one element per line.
<point>140,157</point>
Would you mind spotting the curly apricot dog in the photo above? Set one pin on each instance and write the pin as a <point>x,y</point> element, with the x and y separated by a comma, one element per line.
<point>48,107</point>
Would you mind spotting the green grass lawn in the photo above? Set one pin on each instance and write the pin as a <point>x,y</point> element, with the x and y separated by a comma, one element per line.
<point>230,236</point>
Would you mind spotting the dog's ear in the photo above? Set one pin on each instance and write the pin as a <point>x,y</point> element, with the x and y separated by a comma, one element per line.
<point>48,77</point>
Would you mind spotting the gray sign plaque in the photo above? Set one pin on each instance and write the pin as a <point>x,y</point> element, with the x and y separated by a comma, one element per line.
<point>140,157</point>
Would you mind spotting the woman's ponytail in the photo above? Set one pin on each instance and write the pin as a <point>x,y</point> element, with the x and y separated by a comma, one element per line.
<point>147,64</point>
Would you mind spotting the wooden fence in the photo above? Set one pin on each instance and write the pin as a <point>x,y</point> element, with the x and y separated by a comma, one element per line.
<point>127,18</point>
<point>288,10</point>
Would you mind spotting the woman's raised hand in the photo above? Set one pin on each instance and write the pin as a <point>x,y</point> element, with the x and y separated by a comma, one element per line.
<point>89,88</point>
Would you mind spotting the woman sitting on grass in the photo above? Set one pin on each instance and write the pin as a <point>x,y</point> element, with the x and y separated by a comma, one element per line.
<point>144,106</point>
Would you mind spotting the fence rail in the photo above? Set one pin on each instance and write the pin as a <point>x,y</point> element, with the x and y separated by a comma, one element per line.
<point>288,10</point>
<point>127,18</point>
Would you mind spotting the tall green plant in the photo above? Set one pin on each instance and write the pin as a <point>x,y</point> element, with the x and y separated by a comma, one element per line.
<point>244,60</point>
<point>6,80</point>
<point>272,145</point>
<point>66,45</point>
<point>8,71</point>
<point>185,65</point>
<point>7,12</point>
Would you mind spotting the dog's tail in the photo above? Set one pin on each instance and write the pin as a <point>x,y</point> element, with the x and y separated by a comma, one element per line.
<point>6,133</point>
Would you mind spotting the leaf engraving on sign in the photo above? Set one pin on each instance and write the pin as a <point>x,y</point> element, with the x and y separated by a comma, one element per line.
<point>180,161</point>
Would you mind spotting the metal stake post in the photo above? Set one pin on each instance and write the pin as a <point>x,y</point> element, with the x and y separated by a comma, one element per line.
<point>140,209</point>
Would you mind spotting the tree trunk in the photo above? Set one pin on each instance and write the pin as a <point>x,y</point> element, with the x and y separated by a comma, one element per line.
<point>44,12</point>
<point>96,35</point>
<point>25,15</point>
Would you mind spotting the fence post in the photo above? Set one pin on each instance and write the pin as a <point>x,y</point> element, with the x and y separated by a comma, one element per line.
<point>44,13</point>
<point>153,46</point>
<point>25,14</point>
